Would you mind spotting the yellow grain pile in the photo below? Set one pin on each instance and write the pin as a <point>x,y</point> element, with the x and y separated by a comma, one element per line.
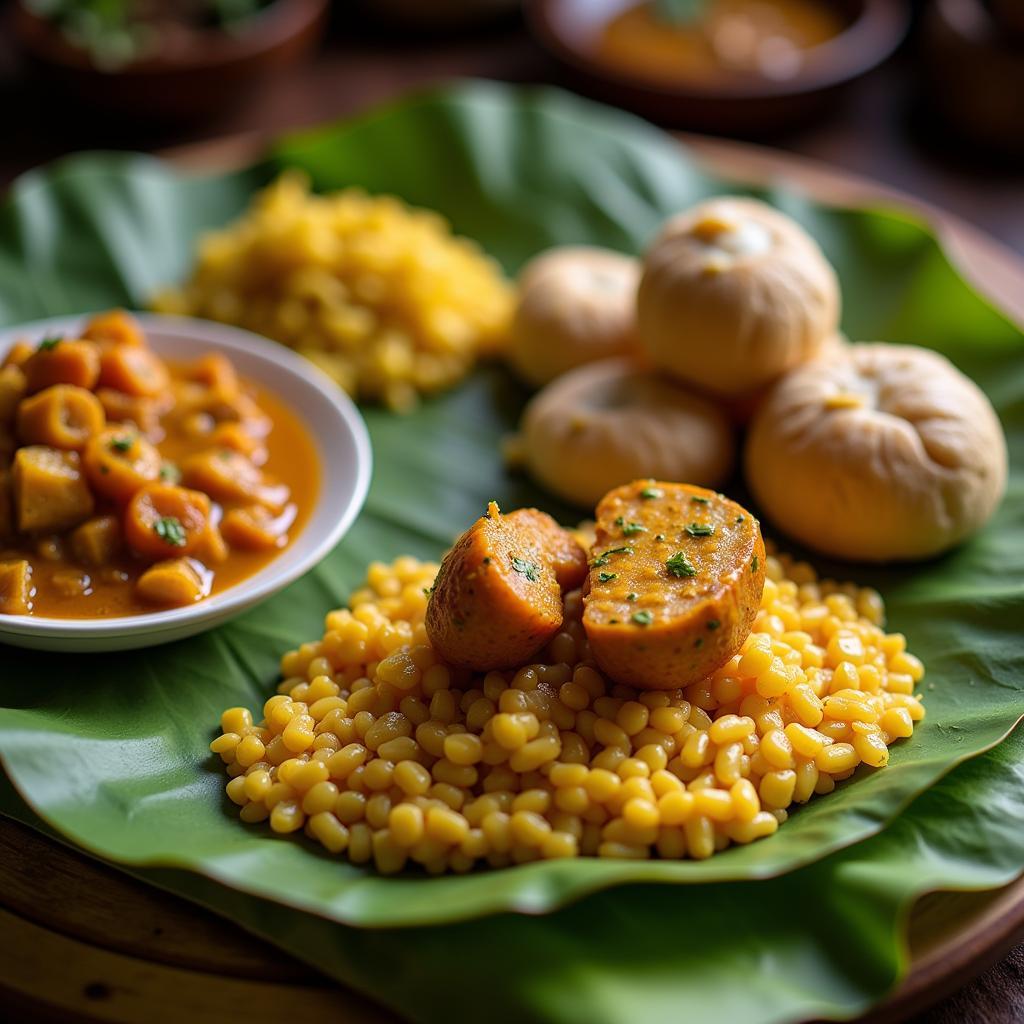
<point>382,753</point>
<point>381,296</point>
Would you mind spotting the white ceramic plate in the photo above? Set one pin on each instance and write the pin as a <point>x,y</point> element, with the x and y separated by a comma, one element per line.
<point>343,446</point>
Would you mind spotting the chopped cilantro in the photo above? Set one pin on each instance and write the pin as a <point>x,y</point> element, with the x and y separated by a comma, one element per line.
<point>642,618</point>
<point>121,444</point>
<point>50,342</point>
<point>700,529</point>
<point>699,642</point>
<point>170,531</point>
<point>603,559</point>
<point>629,529</point>
<point>740,519</point>
<point>169,471</point>
<point>659,536</point>
<point>651,492</point>
<point>754,564</point>
<point>632,597</point>
<point>701,501</point>
<point>713,623</point>
<point>528,569</point>
<point>607,577</point>
<point>680,565</point>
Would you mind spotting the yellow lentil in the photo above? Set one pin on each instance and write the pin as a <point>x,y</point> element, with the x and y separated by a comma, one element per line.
<point>382,297</point>
<point>385,754</point>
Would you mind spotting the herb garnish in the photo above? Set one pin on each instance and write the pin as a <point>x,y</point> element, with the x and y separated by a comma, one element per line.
<point>679,12</point>
<point>642,618</point>
<point>754,564</point>
<point>170,531</point>
<point>528,569</point>
<point>607,577</point>
<point>120,444</point>
<point>659,536</point>
<point>700,529</point>
<point>628,529</point>
<point>701,501</point>
<point>632,596</point>
<point>739,519</point>
<point>603,559</point>
<point>680,565</point>
<point>713,623</point>
<point>651,492</point>
<point>699,642</point>
<point>169,471</point>
<point>49,343</point>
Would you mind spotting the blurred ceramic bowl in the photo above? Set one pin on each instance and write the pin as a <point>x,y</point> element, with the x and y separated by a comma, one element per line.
<point>195,77</point>
<point>975,71</point>
<point>742,104</point>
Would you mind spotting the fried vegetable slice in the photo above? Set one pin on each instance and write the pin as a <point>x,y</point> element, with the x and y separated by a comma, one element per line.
<point>133,370</point>
<point>497,598</point>
<point>163,520</point>
<point>675,583</point>
<point>119,461</point>
<point>63,361</point>
<point>63,416</point>
<point>115,327</point>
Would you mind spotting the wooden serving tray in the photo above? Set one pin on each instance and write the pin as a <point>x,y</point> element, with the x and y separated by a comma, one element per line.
<point>84,942</point>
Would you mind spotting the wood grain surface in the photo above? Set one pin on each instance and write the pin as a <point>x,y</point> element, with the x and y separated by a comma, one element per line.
<point>83,942</point>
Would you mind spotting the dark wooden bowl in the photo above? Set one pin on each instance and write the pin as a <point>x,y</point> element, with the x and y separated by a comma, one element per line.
<point>190,83</point>
<point>975,72</point>
<point>751,106</point>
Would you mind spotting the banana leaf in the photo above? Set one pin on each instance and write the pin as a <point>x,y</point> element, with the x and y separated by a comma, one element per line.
<point>824,942</point>
<point>112,750</point>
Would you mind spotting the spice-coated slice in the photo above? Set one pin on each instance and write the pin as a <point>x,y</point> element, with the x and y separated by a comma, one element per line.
<point>497,598</point>
<point>676,575</point>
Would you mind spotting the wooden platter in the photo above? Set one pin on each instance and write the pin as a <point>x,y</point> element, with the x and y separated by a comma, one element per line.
<point>84,942</point>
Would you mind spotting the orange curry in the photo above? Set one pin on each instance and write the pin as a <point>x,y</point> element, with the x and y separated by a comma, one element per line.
<point>129,484</point>
<point>725,38</point>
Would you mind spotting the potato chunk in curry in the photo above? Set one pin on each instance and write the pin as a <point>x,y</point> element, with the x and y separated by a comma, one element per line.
<point>50,492</point>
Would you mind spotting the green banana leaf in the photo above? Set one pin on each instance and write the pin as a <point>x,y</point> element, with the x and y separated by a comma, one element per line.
<point>822,943</point>
<point>112,750</point>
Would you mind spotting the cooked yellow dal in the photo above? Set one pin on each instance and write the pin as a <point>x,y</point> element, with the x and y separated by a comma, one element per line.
<point>381,296</point>
<point>381,752</point>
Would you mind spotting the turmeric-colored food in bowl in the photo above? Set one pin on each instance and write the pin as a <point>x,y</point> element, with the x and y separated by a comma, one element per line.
<point>130,483</point>
<point>723,41</point>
